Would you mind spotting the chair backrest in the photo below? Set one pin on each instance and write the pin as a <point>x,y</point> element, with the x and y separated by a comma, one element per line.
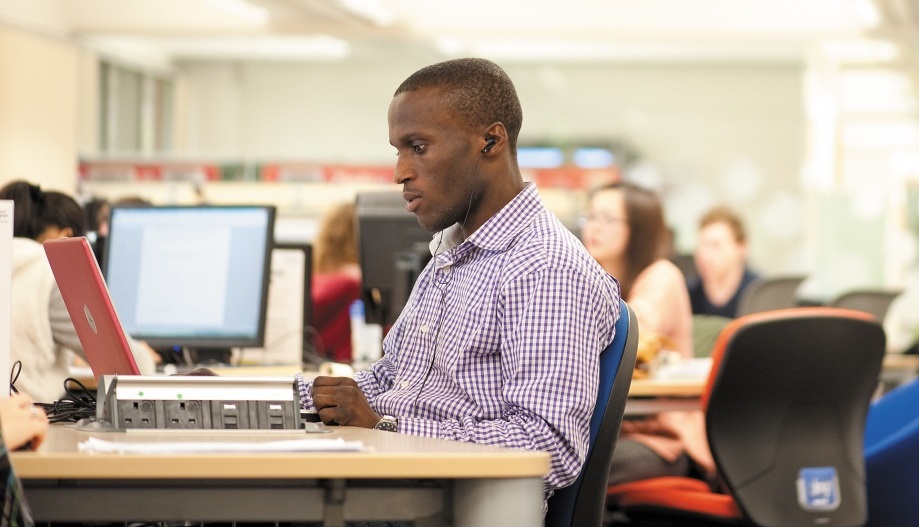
<point>785,413</point>
<point>891,463</point>
<point>767,294</point>
<point>705,331</point>
<point>874,301</point>
<point>583,502</point>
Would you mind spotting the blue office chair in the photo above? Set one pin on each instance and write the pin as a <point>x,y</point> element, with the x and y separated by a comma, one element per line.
<point>583,502</point>
<point>891,461</point>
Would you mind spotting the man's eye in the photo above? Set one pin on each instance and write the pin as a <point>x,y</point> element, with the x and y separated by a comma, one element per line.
<point>418,149</point>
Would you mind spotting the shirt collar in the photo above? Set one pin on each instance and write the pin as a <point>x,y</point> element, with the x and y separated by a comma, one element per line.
<point>497,233</point>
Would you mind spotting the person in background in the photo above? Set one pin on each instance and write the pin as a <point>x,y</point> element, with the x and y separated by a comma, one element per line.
<point>43,337</point>
<point>97,215</point>
<point>336,280</point>
<point>721,264</point>
<point>624,231</point>
<point>22,425</point>
<point>97,212</point>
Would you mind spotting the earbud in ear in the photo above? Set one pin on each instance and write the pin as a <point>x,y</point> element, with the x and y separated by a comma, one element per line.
<point>489,142</point>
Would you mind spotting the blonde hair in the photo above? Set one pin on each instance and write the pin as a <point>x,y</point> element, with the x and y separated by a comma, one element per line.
<point>336,241</point>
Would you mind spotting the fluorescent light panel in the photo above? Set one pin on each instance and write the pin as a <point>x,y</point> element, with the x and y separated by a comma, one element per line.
<point>242,9</point>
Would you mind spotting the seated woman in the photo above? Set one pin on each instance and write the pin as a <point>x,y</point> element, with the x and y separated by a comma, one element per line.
<point>624,231</point>
<point>336,280</point>
<point>43,337</point>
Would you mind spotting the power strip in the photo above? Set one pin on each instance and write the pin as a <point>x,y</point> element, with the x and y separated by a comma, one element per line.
<point>198,402</point>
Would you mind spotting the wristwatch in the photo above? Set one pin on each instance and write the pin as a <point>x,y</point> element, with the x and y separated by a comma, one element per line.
<point>388,423</point>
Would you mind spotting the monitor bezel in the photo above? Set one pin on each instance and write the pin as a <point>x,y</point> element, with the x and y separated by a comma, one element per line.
<point>200,343</point>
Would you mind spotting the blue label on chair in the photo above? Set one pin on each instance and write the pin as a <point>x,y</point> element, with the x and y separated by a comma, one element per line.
<point>818,488</point>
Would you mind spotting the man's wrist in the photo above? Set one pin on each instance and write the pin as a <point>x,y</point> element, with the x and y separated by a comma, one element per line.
<point>387,423</point>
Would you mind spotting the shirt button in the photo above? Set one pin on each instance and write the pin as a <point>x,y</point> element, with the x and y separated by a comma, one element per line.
<point>405,384</point>
<point>425,328</point>
<point>447,269</point>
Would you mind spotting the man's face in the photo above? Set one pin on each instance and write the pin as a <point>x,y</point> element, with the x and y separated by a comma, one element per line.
<point>437,159</point>
<point>718,251</point>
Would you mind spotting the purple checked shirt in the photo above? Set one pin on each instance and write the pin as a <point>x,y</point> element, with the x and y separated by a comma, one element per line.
<point>499,341</point>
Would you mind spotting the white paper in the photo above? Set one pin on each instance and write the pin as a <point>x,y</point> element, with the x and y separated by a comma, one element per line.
<point>284,316</point>
<point>102,446</point>
<point>686,369</point>
<point>6,274</point>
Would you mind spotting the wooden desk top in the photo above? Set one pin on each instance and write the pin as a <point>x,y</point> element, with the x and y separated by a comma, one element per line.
<point>387,455</point>
<point>651,387</point>
<point>688,387</point>
<point>898,361</point>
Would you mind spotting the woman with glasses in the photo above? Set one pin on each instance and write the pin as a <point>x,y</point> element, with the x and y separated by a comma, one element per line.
<point>624,231</point>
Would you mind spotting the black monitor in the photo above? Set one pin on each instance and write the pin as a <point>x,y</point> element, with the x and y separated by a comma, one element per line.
<point>393,251</point>
<point>191,277</point>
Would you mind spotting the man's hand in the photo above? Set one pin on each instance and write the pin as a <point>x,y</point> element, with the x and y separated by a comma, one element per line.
<point>340,401</point>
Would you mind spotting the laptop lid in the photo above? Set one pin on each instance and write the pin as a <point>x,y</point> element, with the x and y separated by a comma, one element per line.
<point>90,306</point>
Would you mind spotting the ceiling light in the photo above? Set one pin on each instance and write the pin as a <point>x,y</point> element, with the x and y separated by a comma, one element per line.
<point>868,12</point>
<point>370,10</point>
<point>860,50</point>
<point>263,47</point>
<point>242,9</point>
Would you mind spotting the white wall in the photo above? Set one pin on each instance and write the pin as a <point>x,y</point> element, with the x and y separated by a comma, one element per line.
<point>39,87</point>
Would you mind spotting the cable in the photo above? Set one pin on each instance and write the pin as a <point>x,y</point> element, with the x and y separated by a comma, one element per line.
<point>14,376</point>
<point>72,407</point>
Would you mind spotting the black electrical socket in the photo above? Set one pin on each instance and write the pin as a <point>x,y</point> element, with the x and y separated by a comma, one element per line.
<point>136,414</point>
<point>184,415</point>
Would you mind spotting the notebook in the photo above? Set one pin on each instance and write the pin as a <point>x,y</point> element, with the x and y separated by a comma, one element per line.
<point>90,306</point>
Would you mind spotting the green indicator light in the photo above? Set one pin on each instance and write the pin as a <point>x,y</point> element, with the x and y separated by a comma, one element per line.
<point>179,396</point>
<point>140,394</point>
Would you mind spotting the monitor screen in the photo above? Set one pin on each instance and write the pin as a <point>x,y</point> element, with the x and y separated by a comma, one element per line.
<point>393,250</point>
<point>307,250</point>
<point>191,276</point>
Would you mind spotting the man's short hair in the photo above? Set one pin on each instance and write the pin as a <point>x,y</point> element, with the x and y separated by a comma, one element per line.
<point>476,89</point>
<point>728,217</point>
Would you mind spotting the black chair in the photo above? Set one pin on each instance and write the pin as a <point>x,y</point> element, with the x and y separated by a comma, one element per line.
<point>582,503</point>
<point>873,301</point>
<point>785,410</point>
<point>768,294</point>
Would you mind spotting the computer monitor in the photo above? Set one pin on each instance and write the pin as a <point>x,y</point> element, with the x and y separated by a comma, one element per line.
<point>307,277</point>
<point>393,250</point>
<point>191,277</point>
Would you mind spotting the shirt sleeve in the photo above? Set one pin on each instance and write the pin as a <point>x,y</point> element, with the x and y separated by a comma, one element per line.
<point>372,382</point>
<point>550,350</point>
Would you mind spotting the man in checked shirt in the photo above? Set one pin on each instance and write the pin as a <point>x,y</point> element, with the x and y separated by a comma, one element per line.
<point>499,341</point>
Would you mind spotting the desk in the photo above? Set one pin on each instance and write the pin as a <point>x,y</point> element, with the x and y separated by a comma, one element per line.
<point>400,477</point>
<point>649,396</point>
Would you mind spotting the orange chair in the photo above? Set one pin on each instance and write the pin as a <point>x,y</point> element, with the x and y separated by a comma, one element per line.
<point>785,407</point>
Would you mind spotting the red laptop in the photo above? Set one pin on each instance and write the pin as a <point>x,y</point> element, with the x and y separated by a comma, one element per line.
<point>90,307</point>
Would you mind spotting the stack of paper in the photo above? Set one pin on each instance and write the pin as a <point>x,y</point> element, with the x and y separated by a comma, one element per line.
<point>294,445</point>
